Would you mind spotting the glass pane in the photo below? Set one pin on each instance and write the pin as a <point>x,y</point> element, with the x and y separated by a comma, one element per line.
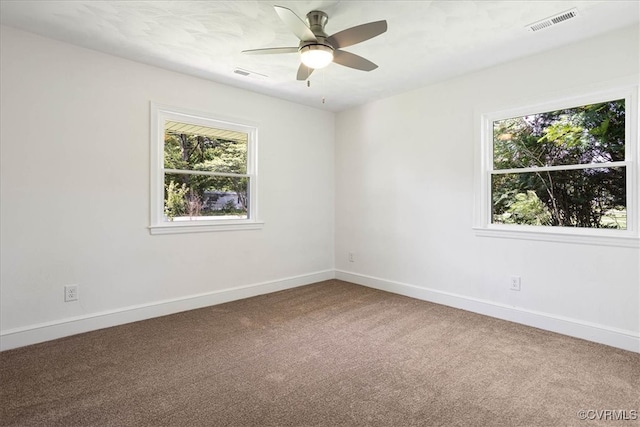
<point>201,148</point>
<point>193,197</point>
<point>591,198</point>
<point>589,134</point>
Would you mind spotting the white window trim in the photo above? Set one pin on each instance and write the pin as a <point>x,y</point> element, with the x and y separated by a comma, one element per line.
<point>484,163</point>
<point>160,114</point>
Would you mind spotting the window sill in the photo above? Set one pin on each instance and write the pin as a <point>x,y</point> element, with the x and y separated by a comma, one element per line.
<point>586,237</point>
<point>202,227</point>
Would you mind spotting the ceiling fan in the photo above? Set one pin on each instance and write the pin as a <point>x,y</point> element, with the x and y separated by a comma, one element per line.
<point>317,49</point>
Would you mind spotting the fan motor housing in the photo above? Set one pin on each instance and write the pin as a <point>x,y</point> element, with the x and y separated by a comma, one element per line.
<point>317,19</point>
<point>321,44</point>
<point>316,46</point>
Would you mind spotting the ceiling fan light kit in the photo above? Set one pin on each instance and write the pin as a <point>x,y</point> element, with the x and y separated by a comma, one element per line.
<point>317,49</point>
<point>316,56</point>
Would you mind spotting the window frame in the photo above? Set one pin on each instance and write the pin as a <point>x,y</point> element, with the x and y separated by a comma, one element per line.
<point>484,226</point>
<point>159,115</point>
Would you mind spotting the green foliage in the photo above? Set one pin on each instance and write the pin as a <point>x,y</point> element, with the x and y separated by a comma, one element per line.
<point>202,153</point>
<point>175,202</point>
<point>230,208</point>
<point>194,152</point>
<point>525,208</point>
<point>575,198</point>
<point>564,134</point>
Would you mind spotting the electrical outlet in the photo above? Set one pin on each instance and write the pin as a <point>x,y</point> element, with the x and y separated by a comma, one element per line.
<point>70,293</point>
<point>352,257</point>
<point>515,283</point>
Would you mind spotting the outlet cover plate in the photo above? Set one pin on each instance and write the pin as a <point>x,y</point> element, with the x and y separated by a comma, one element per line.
<point>70,293</point>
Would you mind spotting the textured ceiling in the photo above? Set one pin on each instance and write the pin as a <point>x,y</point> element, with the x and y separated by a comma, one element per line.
<point>427,41</point>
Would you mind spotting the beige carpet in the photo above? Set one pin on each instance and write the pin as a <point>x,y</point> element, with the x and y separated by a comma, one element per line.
<point>328,354</point>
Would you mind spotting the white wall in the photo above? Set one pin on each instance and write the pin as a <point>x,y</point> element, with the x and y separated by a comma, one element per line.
<point>75,194</point>
<point>400,160</point>
<point>75,198</point>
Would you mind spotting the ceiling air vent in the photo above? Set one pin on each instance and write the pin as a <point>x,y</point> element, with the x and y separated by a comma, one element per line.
<point>553,20</point>
<point>241,72</point>
<point>247,73</point>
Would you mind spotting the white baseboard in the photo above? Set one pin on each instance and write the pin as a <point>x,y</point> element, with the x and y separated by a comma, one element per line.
<point>34,334</point>
<point>19,337</point>
<point>626,340</point>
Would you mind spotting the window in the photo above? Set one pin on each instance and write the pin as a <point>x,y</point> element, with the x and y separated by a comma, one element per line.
<point>203,172</point>
<point>561,169</point>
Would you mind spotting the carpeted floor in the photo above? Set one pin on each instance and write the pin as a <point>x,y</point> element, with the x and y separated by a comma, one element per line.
<point>328,354</point>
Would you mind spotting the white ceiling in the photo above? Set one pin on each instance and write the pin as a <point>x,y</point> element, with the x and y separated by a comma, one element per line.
<point>427,41</point>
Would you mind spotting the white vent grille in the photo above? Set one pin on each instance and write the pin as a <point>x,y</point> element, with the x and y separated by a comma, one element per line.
<point>247,73</point>
<point>553,20</point>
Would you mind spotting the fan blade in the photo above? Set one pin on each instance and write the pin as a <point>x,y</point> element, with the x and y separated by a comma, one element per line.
<point>271,50</point>
<point>304,72</point>
<point>357,34</point>
<point>295,24</point>
<point>353,61</point>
